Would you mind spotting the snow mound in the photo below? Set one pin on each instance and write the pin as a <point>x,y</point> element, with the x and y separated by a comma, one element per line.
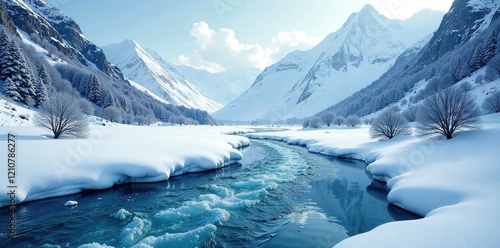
<point>113,154</point>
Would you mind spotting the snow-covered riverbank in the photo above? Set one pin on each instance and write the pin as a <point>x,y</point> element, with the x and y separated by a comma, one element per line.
<point>112,154</point>
<point>453,183</point>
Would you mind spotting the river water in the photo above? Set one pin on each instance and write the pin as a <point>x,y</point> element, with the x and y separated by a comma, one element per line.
<point>278,196</point>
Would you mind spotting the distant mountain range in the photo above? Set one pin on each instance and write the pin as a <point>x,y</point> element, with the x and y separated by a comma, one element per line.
<point>306,82</point>
<point>178,85</point>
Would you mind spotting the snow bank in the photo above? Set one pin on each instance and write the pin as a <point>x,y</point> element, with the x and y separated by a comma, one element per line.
<point>113,154</point>
<point>452,183</point>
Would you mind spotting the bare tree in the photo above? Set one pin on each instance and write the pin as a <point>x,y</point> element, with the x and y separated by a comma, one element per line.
<point>466,86</point>
<point>315,122</point>
<point>492,103</point>
<point>328,118</point>
<point>353,121</point>
<point>62,115</point>
<point>388,125</point>
<point>448,111</point>
<point>339,121</point>
<point>410,113</point>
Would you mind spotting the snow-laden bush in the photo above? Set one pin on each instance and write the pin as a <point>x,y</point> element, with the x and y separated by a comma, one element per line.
<point>353,121</point>
<point>315,122</point>
<point>328,118</point>
<point>339,121</point>
<point>112,114</point>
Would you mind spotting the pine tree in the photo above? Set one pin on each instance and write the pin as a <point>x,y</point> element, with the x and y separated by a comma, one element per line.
<point>41,94</point>
<point>464,71</point>
<point>109,100</point>
<point>457,73</point>
<point>13,65</point>
<point>42,74</point>
<point>94,91</point>
<point>490,47</point>
<point>477,59</point>
<point>10,90</point>
<point>4,41</point>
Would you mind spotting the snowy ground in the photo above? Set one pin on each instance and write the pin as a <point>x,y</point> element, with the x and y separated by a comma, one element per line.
<point>113,154</point>
<point>453,183</point>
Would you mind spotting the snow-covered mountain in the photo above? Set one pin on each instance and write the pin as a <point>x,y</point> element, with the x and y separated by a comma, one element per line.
<point>306,82</point>
<point>53,26</point>
<point>450,56</point>
<point>223,86</point>
<point>148,69</point>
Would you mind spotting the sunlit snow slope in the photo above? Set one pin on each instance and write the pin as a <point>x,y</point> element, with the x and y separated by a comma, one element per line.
<point>153,73</point>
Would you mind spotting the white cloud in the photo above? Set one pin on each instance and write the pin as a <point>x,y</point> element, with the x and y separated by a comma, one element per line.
<point>221,50</point>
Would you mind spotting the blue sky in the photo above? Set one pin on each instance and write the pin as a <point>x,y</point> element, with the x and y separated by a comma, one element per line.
<point>218,34</point>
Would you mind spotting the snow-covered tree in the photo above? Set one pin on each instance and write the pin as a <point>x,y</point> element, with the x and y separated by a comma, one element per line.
<point>492,103</point>
<point>457,74</point>
<point>41,94</point>
<point>42,74</point>
<point>477,59</point>
<point>61,114</point>
<point>493,68</point>
<point>13,65</point>
<point>109,100</point>
<point>315,122</point>
<point>10,90</point>
<point>353,121</point>
<point>305,123</point>
<point>388,125</point>
<point>86,106</point>
<point>112,114</point>
<point>339,121</point>
<point>94,91</point>
<point>448,111</point>
<point>328,118</point>
<point>181,120</point>
<point>4,41</point>
<point>490,46</point>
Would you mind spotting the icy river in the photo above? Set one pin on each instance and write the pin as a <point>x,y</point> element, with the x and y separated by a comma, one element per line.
<point>278,196</point>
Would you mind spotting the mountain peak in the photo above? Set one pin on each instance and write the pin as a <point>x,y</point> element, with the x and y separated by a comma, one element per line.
<point>368,9</point>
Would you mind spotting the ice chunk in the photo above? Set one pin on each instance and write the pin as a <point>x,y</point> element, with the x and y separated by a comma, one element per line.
<point>70,203</point>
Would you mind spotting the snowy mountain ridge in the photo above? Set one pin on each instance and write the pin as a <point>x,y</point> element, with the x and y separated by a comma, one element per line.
<point>464,43</point>
<point>36,17</point>
<point>148,69</point>
<point>306,82</point>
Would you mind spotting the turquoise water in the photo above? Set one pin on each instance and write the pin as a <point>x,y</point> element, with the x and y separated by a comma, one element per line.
<point>278,196</point>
